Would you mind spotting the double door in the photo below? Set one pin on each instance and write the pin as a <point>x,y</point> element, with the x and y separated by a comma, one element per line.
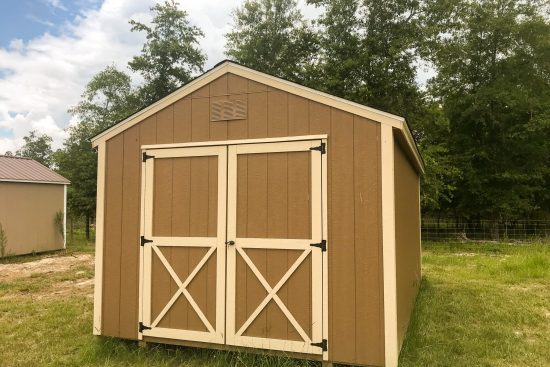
<point>232,248</point>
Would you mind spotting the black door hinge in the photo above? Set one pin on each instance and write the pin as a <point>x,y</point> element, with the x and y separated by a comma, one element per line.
<point>322,245</point>
<point>144,241</point>
<point>143,327</point>
<point>146,156</point>
<point>322,344</point>
<point>320,148</point>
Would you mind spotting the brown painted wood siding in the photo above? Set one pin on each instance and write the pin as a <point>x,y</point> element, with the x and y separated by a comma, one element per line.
<point>189,211</point>
<point>275,181</point>
<point>355,255</point>
<point>26,206</point>
<point>407,238</point>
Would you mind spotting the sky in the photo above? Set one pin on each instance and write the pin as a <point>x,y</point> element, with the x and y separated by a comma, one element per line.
<point>50,49</point>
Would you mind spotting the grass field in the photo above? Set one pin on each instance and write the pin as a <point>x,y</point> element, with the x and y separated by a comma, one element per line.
<point>480,305</point>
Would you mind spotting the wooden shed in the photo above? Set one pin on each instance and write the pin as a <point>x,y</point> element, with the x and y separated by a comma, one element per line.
<point>33,201</point>
<point>246,212</point>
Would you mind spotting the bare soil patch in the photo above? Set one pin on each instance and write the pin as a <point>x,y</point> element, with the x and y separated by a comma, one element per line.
<point>54,264</point>
<point>61,275</point>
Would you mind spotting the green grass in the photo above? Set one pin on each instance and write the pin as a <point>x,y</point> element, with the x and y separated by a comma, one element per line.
<point>479,305</point>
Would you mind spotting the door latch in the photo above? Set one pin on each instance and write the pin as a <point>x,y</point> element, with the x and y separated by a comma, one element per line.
<point>230,243</point>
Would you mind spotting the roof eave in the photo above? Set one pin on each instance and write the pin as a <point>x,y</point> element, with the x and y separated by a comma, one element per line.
<point>35,181</point>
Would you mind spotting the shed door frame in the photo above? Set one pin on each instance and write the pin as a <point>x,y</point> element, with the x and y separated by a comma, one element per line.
<point>318,257</point>
<point>223,144</point>
<point>215,333</point>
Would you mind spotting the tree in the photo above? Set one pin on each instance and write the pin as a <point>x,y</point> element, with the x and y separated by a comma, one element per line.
<point>107,98</point>
<point>170,56</point>
<point>439,182</point>
<point>37,147</point>
<point>272,36</point>
<point>493,83</point>
<point>368,53</point>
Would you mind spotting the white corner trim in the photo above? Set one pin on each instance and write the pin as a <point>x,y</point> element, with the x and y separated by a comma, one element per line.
<point>388,247</point>
<point>98,282</point>
<point>64,216</point>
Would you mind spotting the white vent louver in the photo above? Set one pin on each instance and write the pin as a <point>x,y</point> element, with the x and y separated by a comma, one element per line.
<point>224,110</point>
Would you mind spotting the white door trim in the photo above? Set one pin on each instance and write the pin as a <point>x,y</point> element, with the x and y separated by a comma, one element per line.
<point>236,142</point>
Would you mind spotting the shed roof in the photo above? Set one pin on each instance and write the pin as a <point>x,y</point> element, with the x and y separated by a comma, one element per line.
<point>19,169</point>
<point>227,66</point>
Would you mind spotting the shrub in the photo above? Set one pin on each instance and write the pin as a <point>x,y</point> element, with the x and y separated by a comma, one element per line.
<point>58,221</point>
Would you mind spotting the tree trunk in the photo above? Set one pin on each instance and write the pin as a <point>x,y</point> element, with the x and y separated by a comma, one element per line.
<point>87,227</point>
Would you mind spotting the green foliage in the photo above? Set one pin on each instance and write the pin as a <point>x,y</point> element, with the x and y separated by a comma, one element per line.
<point>3,242</point>
<point>171,55</point>
<point>58,221</point>
<point>439,182</point>
<point>482,124</point>
<point>37,147</point>
<point>107,98</point>
<point>368,53</point>
<point>494,86</point>
<point>272,36</point>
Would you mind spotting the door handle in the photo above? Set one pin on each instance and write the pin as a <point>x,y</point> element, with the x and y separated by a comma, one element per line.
<point>230,243</point>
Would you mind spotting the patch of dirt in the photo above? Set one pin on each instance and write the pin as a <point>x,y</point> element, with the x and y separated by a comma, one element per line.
<point>54,264</point>
<point>47,267</point>
<point>81,287</point>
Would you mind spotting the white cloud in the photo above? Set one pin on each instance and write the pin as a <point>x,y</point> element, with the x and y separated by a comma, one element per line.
<point>42,77</point>
<point>57,4</point>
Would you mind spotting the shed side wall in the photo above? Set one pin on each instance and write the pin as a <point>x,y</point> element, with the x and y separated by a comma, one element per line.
<point>355,258</point>
<point>27,214</point>
<point>407,238</point>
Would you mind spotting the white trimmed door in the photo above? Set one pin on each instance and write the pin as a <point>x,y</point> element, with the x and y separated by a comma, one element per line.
<point>275,246</point>
<point>183,244</point>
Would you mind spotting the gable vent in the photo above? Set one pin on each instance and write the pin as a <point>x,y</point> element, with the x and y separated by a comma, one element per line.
<point>223,110</point>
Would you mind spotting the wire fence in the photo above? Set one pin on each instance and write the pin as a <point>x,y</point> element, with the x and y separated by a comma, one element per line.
<point>485,230</point>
